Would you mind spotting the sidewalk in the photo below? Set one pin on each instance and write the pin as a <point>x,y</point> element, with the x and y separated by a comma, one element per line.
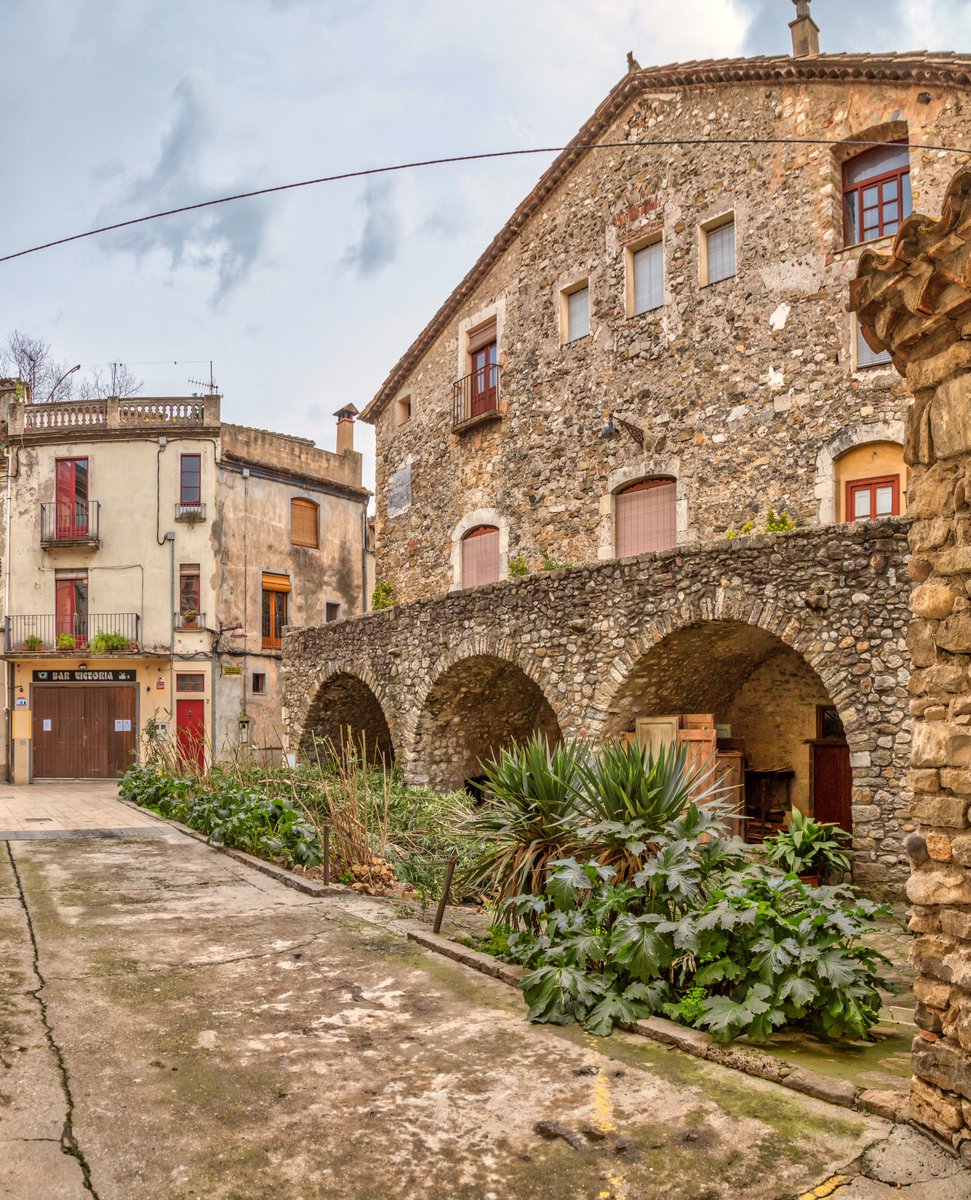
<point>73,808</point>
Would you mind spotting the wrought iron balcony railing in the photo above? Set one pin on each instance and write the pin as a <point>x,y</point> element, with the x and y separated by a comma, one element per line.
<point>75,523</point>
<point>475,397</point>
<point>94,634</point>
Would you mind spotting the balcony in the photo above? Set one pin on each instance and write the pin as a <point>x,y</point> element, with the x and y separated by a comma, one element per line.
<point>475,399</point>
<point>86,420</point>
<point>189,621</point>
<point>94,635</point>
<point>70,525</point>
<point>193,514</point>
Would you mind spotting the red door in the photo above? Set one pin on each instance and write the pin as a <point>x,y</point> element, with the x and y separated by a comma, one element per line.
<point>71,606</point>
<point>484,379</point>
<point>190,724</point>
<point>833,784</point>
<point>71,496</point>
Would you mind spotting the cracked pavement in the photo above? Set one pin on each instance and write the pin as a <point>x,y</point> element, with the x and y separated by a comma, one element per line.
<point>191,1028</point>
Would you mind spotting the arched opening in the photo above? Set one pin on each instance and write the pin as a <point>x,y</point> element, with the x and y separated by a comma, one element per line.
<point>473,709</point>
<point>346,713</point>
<point>871,481</point>
<point>645,517</point>
<point>739,692</point>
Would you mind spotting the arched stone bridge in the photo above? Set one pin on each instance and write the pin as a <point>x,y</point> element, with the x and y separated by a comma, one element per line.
<point>761,631</point>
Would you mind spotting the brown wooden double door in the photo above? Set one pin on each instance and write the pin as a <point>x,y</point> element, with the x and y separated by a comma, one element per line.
<point>84,731</point>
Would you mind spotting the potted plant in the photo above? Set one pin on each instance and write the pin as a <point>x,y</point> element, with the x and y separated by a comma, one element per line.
<point>808,848</point>
<point>108,643</point>
<point>189,618</point>
<point>32,643</point>
<point>66,641</point>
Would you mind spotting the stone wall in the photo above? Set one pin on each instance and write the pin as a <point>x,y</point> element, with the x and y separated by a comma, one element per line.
<point>737,389</point>
<point>918,304</point>
<point>586,650</point>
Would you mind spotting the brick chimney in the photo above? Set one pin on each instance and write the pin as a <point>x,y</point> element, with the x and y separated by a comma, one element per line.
<point>345,429</point>
<point>805,32</point>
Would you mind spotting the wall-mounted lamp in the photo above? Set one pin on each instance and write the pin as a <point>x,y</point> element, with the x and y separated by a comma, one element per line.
<point>610,429</point>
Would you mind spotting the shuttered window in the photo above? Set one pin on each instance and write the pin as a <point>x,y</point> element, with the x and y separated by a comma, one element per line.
<point>720,252</point>
<point>304,523</point>
<point>578,314</point>
<point>865,357</point>
<point>647,265</point>
<point>480,556</point>
<point>646,517</point>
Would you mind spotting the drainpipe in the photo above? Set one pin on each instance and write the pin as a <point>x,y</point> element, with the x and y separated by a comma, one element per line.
<point>170,538</point>
<point>364,557</point>
<point>8,730</point>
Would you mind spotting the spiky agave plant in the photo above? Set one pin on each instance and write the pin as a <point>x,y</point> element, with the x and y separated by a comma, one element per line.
<point>627,796</point>
<point>528,817</point>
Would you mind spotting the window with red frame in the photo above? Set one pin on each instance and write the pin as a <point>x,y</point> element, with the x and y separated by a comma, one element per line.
<point>190,480</point>
<point>645,517</point>
<point>869,498</point>
<point>876,193</point>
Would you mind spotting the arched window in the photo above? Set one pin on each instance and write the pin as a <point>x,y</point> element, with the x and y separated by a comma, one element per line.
<point>645,517</point>
<point>876,193</point>
<point>480,556</point>
<point>304,523</point>
<point>871,481</point>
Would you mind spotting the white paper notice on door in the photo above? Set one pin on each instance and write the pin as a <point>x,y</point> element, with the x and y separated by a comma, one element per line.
<point>122,726</point>
<point>47,724</point>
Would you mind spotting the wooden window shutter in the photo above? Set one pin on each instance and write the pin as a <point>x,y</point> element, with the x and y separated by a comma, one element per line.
<point>304,523</point>
<point>646,517</point>
<point>275,583</point>
<point>480,557</point>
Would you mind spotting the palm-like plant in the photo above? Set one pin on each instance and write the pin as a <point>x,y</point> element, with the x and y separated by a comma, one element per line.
<point>528,818</point>
<point>808,847</point>
<point>626,796</point>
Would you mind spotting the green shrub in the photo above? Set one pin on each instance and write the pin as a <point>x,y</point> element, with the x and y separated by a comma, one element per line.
<point>549,563</point>
<point>382,596</point>
<point>808,847</point>
<point>66,641</point>
<point>105,643</point>
<point>518,567</point>
<point>779,522</point>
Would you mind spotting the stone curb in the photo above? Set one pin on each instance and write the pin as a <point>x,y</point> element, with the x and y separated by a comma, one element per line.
<point>890,1105</point>
<point>288,878</point>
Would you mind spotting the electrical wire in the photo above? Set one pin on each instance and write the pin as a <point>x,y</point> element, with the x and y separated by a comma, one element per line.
<point>463,158</point>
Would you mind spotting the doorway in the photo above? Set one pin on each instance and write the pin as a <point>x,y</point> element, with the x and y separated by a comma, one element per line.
<point>190,726</point>
<point>83,732</point>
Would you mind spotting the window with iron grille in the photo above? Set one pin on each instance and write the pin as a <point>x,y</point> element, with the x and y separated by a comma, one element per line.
<point>646,517</point>
<point>877,196</point>
<point>190,683</point>
<point>480,556</point>
<point>304,523</point>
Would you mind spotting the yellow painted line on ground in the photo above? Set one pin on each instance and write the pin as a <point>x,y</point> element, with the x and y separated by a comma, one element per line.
<point>603,1119</point>
<point>828,1187</point>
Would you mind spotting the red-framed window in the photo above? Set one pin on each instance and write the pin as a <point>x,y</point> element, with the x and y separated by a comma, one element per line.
<point>276,603</point>
<point>190,592</point>
<point>71,606</point>
<point>484,379</point>
<point>869,498</point>
<point>71,497</point>
<point>877,195</point>
<point>645,517</point>
<point>190,480</point>
<point>480,556</point>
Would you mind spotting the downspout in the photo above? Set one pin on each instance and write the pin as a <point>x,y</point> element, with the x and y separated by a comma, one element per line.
<point>364,557</point>
<point>8,723</point>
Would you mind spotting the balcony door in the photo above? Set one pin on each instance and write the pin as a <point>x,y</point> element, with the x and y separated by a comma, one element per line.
<point>71,606</point>
<point>71,498</point>
<point>484,379</point>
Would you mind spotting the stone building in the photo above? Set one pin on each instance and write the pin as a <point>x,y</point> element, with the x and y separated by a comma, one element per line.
<point>654,351</point>
<point>153,555</point>
<point>916,302</point>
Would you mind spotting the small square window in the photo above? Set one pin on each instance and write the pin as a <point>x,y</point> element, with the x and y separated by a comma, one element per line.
<point>718,250</point>
<point>577,313</point>
<point>402,410</point>
<point>332,611</point>
<point>190,683</point>
<point>259,683</point>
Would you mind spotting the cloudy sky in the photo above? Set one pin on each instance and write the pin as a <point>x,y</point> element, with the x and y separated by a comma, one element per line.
<point>116,108</point>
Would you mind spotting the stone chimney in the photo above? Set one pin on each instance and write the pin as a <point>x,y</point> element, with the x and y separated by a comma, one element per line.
<point>345,429</point>
<point>805,32</point>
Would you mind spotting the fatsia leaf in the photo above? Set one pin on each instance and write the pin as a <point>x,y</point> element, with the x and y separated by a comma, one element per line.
<point>566,883</point>
<point>720,969</point>
<point>798,991</point>
<point>636,943</point>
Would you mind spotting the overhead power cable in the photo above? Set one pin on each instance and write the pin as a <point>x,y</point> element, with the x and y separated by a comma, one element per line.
<point>464,158</point>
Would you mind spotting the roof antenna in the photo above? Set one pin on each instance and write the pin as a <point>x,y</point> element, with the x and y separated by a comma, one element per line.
<point>805,32</point>
<point>210,385</point>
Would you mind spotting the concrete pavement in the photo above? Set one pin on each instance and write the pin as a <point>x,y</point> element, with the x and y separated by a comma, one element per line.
<point>175,1025</point>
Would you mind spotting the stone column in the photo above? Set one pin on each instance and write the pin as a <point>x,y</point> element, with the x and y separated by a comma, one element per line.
<point>917,304</point>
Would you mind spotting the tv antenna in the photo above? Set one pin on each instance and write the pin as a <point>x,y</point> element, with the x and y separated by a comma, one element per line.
<point>209,384</point>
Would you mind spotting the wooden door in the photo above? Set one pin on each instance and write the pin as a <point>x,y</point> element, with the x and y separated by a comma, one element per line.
<point>484,378</point>
<point>655,732</point>
<point>832,784</point>
<point>83,732</point>
<point>190,723</point>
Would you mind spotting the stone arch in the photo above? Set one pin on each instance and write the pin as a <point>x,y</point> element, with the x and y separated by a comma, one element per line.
<point>858,434</point>
<point>347,704</point>
<point>655,465</point>
<point>472,520</point>
<point>475,704</point>
<point>755,680</point>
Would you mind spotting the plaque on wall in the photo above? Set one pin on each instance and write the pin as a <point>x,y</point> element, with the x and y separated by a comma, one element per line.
<point>399,490</point>
<point>118,675</point>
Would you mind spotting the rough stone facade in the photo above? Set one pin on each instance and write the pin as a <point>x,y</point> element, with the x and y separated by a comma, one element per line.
<point>917,303</point>
<point>445,682</point>
<point>745,391</point>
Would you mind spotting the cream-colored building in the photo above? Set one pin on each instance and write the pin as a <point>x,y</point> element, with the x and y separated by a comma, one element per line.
<point>153,556</point>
